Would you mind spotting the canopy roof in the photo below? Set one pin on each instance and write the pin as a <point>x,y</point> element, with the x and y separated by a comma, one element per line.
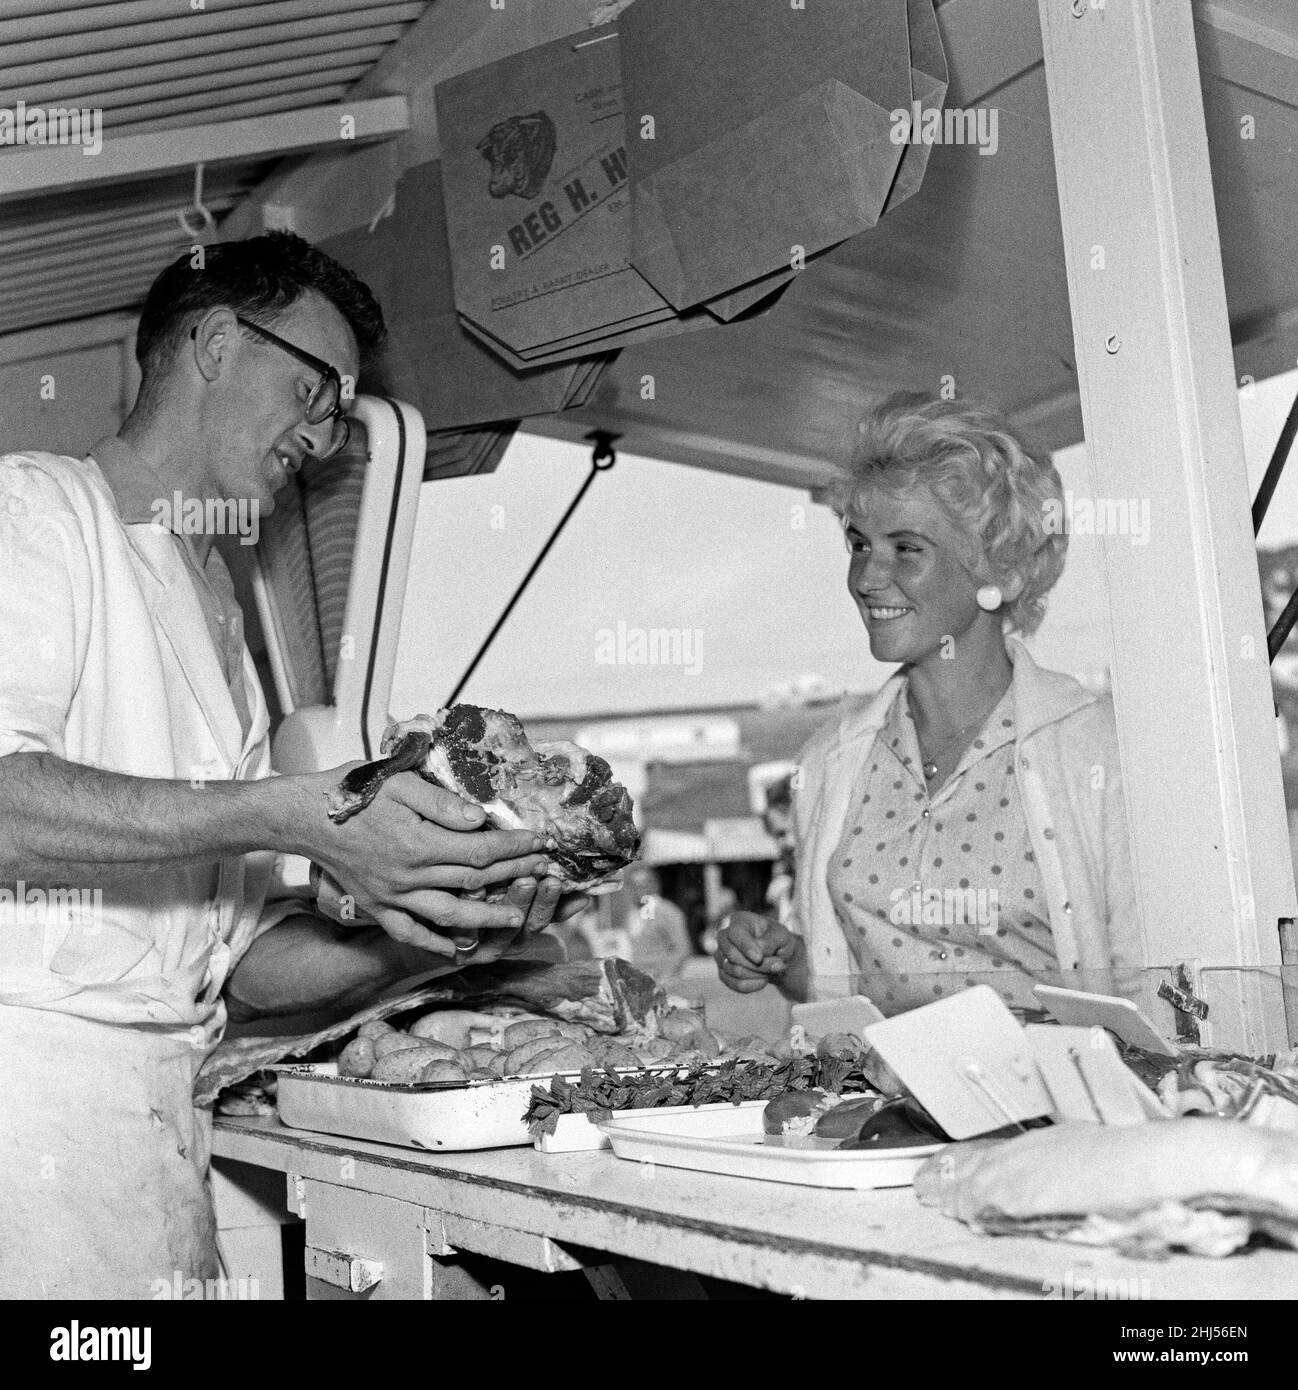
<point>965,281</point>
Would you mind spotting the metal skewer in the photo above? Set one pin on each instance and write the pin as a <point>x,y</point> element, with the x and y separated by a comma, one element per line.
<point>1075,1058</point>
<point>972,1071</point>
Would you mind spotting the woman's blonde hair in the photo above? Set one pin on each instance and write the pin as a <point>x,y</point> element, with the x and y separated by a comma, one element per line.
<point>998,492</point>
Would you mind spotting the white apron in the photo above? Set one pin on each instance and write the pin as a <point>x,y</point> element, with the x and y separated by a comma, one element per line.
<point>103,1158</point>
<point>108,1008</point>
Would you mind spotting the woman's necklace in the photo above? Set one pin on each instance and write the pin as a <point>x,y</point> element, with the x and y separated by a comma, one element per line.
<point>929,764</point>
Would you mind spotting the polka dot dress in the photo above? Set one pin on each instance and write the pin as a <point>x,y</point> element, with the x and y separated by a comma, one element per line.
<point>938,893</point>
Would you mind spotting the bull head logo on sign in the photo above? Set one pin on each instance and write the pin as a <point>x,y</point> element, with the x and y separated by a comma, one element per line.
<point>520,151</point>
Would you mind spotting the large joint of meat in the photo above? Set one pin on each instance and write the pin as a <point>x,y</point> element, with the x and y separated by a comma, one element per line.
<point>555,789</point>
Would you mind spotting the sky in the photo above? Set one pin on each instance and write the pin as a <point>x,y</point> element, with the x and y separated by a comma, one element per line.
<point>748,579</point>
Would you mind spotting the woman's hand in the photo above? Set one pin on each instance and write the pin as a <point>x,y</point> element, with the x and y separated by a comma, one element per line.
<point>753,951</point>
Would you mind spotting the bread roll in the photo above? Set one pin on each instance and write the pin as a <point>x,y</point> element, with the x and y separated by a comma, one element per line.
<point>527,1031</point>
<point>442,1070</point>
<point>407,1065</point>
<point>387,1043</point>
<point>521,1059</point>
<point>449,1026</point>
<point>479,1056</point>
<point>357,1058</point>
<point>403,1042</point>
<point>375,1028</point>
<point>571,1057</point>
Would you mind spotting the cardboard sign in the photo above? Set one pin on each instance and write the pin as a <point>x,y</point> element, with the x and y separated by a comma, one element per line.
<point>538,201</point>
<point>453,380</point>
<point>928,84</point>
<point>851,1015</point>
<point>1120,1016</point>
<point>608,342</point>
<point>966,1060</point>
<point>771,129</point>
<point>764,292</point>
<point>1087,1080</point>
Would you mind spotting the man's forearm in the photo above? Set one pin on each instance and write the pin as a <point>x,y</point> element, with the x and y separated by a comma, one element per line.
<point>307,963</point>
<point>62,819</point>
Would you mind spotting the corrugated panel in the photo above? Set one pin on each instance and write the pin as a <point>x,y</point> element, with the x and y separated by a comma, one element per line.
<point>143,62</point>
<point>156,65</point>
<point>96,250</point>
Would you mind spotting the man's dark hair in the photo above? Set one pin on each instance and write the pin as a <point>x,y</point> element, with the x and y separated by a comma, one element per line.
<point>258,278</point>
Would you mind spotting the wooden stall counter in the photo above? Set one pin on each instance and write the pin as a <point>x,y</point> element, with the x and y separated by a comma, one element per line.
<point>388,1223</point>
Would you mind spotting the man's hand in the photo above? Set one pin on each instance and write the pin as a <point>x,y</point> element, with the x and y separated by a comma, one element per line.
<point>753,951</point>
<point>544,902</point>
<point>408,857</point>
<point>405,859</point>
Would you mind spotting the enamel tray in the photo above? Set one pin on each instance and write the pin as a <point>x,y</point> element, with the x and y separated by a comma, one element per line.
<point>453,1118</point>
<point>729,1140</point>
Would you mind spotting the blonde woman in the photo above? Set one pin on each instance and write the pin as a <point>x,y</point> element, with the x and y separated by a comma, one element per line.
<point>966,824</point>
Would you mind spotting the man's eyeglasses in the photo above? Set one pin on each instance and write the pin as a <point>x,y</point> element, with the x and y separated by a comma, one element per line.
<point>324,402</point>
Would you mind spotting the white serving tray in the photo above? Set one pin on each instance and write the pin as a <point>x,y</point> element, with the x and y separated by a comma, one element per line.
<point>729,1140</point>
<point>577,1134</point>
<point>474,1115</point>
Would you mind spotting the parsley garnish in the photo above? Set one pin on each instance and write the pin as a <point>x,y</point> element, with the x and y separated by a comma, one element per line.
<point>599,1093</point>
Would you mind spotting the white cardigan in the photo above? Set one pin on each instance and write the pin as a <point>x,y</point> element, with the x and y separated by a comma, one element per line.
<point>1070,784</point>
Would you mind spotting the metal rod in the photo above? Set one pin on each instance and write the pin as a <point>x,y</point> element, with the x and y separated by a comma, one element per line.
<point>1275,639</point>
<point>974,1073</point>
<point>602,459</point>
<point>1274,469</point>
<point>1075,1058</point>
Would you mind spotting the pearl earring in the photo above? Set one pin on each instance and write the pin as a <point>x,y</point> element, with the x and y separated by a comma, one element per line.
<point>989,598</point>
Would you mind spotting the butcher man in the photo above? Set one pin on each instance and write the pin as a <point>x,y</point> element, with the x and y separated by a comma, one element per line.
<point>138,824</point>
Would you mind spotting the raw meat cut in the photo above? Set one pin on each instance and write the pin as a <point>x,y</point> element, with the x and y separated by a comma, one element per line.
<point>555,789</point>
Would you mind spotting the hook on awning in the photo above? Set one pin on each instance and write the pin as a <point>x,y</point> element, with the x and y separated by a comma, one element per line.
<point>207,222</point>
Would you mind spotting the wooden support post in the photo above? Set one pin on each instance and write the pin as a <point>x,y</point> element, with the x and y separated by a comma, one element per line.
<point>1190,673</point>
